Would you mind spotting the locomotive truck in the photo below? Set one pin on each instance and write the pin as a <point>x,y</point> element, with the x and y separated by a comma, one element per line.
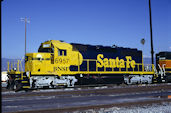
<point>58,63</point>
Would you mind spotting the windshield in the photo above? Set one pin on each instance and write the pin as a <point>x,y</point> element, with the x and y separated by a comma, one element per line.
<point>46,48</point>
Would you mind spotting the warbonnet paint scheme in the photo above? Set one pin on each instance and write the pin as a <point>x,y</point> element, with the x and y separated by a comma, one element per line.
<point>59,63</point>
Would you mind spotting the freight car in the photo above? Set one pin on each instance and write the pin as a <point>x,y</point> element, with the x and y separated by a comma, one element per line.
<point>59,63</point>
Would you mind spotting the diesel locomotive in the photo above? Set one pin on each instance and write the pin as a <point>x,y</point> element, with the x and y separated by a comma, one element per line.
<point>163,65</point>
<point>58,63</point>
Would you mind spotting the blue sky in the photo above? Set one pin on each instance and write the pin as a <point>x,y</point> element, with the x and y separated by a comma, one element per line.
<point>96,22</point>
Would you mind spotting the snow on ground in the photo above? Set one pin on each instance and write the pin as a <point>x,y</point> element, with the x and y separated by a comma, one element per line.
<point>155,108</point>
<point>4,76</point>
<point>4,84</point>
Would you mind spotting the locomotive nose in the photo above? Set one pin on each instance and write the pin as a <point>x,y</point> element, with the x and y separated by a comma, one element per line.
<point>37,62</point>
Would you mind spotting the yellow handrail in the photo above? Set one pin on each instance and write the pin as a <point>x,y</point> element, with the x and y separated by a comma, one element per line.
<point>11,66</point>
<point>96,66</point>
<point>88,65</point>
<point>21,66</point>
<point>8,66</point>
<point>18,66</point>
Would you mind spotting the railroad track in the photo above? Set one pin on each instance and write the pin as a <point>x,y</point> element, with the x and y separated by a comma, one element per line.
<point>81,99</point>
<point>93,108</point>
<point>84,90</point>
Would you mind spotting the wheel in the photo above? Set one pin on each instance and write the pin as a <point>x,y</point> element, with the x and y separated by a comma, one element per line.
<point>18,86</point>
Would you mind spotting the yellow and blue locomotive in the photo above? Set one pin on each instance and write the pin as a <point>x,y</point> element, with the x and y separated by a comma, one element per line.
<point>59,63</point>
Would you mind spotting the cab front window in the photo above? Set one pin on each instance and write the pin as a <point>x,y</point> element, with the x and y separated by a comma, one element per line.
<point>46,48</point>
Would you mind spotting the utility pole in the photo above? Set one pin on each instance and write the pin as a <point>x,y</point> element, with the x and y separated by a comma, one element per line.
<point>1,23</point>
<point>26,20</point>
<point>151,33</point>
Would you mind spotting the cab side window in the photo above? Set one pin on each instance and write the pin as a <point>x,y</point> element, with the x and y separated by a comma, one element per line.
<point>62,52</point>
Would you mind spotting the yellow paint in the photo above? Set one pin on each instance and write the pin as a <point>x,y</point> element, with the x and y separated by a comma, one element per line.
<point>24,81</point>
<point>115,63</point>
<point>26,86</point>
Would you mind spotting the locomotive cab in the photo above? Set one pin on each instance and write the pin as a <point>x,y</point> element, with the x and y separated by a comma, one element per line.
<point>39,62</point>
<point>51,65</point>
<point>53,57</point>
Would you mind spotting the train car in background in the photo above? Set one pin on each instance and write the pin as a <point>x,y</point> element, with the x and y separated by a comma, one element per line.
<point>163,66</point>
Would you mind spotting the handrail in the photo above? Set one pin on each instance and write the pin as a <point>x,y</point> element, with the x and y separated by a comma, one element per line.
<point>18,66</point>
<point>8,66</point>
<point>21,66</point>
<point>11,66</point>
<point>88,65</point>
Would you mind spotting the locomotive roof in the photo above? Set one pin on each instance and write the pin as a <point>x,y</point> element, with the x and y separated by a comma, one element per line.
<point>87,46</point>
<point>166,54</point>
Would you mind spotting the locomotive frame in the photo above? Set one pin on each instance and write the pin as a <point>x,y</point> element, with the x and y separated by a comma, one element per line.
<point>59,63</point>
